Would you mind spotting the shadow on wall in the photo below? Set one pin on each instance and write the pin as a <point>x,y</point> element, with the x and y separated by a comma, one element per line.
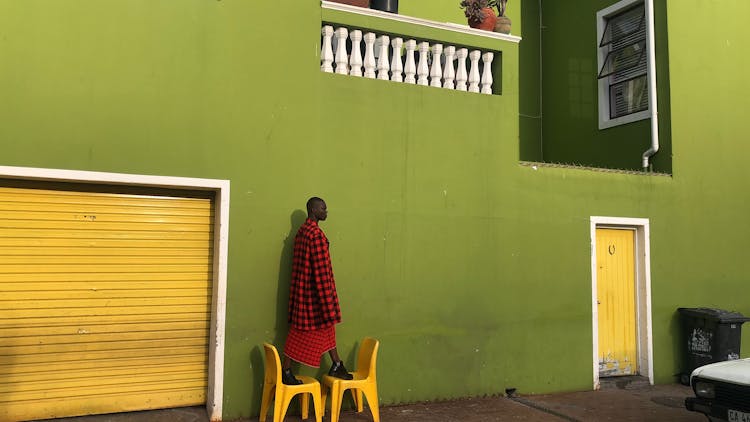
<point>281,327</point>
<point>679,346</point>
<point>297,218</point>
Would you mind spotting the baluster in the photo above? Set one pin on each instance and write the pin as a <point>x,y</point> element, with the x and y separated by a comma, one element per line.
<point>342,66</point>
<point>449,74</point>
<point>436,72</point>
<point>383,64</point>
<point>326,52</point>
<point>355,59</point>
<point>422,69</point>
<point>411,67</point>
<point>396,66</point>
<point>474,72</point>
<point>369,55</point>
<point>487,72</point>
<point>461,75</point>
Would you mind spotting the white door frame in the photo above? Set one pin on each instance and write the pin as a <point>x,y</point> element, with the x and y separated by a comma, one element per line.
<point>215,392</point>
<point>643,292</point>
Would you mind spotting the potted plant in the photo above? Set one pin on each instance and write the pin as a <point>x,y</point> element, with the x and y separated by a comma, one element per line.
<point>503,22</point>
<point>480,13</point>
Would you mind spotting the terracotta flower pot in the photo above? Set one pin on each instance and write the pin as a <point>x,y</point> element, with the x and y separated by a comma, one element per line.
<point>360,3</point>
<point>488,24</point>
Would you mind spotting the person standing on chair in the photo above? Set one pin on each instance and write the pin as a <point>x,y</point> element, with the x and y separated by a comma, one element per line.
<point>313,303</point>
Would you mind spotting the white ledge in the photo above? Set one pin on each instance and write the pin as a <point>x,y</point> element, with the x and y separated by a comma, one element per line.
<point>447,26</point>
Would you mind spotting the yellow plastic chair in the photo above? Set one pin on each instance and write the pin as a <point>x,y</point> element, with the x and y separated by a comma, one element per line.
<point>364,382</point>
<point>274,388</point>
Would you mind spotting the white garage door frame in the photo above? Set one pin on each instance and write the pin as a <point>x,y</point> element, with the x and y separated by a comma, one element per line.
<point>215,393</point>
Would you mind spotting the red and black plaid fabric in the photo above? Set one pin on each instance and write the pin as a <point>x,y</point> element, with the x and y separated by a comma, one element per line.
<point>308,346</point>
<point>313,302</point>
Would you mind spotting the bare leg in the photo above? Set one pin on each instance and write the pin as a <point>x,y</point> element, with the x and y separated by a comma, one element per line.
<point>286,363</point>
<point>334,354</point>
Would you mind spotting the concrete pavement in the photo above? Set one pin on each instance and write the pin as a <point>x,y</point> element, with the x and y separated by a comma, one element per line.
<point>646,403</point>
<point>621,401</point>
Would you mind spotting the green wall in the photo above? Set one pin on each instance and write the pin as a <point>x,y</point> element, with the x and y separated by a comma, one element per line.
<point>708,128</point>
<point>472,270</point>
<point>530,103</point>
<point>569,132</point>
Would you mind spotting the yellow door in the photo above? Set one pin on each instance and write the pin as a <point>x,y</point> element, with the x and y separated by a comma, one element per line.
<point>106,299</point>
<point>616,294</point>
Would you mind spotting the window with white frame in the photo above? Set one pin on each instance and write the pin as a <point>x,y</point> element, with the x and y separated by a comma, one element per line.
<point>623,63</point>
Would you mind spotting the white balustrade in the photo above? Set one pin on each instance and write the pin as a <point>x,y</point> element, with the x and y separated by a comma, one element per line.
<point>405,60</point>
<point>487,72</point>
<point>369,55</point>
<point>449,74</point>
<point>384,65</point>
<point>355,61</point>
<point>462,76</point>
<point>436,72</point>
<point>422,68</point>
<point>474,72</point>
<point>326,52</point>
<point>396,66</point>
<point>411,66</point>
<point>342,60</point>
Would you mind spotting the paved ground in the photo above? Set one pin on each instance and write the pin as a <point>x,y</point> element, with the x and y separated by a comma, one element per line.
<point>624,402</point>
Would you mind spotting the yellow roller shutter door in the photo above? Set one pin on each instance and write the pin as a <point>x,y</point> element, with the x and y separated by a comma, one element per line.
<point>105,301</point>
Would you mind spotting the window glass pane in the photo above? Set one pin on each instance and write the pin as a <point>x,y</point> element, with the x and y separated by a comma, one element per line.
<point>627,97</point>
<point>624,63</point>
<point>624,25</point>
<point>623,59</point>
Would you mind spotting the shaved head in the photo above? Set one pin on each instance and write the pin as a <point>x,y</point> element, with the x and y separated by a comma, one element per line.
<point>317,209</point>
<point>312,202</point>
